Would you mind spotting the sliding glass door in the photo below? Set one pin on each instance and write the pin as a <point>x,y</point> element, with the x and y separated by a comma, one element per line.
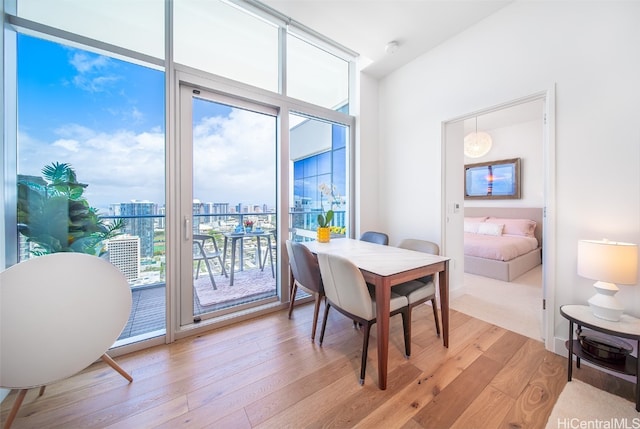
<point>229,216</point>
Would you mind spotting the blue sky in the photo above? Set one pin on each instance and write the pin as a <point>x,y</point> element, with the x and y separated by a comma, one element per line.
<point>59,85</point>
<point>106,118</point>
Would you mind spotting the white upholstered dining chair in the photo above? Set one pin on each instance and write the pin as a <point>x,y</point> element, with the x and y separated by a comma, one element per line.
<point>347,292</point>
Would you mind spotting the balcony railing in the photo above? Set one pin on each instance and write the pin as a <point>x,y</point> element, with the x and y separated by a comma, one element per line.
<point>147,278</point>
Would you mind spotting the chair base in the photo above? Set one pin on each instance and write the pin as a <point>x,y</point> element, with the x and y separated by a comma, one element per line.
<point>366,324</point>
<point>316,310</point>
<point>23,392</point>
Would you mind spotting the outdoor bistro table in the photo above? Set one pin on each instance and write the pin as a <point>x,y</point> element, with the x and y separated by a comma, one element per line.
<point>237,240</point>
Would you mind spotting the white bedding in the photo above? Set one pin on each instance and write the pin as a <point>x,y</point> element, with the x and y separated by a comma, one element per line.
<point>501,248</point>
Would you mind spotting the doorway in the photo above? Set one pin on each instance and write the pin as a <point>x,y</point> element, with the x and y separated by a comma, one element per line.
<point>229,177</point>
<point>538,163</point>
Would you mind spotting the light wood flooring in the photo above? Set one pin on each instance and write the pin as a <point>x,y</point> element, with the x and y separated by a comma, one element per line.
<point>266,373</point>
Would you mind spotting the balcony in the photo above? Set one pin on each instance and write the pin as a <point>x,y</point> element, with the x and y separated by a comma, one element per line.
<point>252,282</point>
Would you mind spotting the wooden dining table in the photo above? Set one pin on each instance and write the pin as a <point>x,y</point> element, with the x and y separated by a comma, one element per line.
<point>386,266</point>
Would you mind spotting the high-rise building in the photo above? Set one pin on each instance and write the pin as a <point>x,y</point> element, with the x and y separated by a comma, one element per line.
<point>160,221</point>
<point>207,208</point>
<point>124,253</point>
<point>139,217</point>
<point>198,210</point>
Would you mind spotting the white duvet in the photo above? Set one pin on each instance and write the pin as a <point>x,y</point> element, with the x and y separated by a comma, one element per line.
<point>502,248</point>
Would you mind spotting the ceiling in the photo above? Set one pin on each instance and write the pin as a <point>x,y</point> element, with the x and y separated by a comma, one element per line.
<point>367,26</point>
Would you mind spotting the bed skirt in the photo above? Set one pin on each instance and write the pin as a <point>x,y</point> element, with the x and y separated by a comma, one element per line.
<point>503,270</point>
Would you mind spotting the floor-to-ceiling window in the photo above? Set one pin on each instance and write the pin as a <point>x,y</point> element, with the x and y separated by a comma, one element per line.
<point>99,121</point>
<point>96,90</point>
<point>318,152</point>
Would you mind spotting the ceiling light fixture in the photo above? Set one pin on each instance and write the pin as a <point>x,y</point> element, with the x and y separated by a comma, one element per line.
<point>391,47</point>
<point>477,144</point>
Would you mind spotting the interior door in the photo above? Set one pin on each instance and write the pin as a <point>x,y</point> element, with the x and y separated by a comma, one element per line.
<point>228,200</point>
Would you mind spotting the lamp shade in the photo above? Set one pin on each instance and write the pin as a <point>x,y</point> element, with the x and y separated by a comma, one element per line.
<point>608,261</point>
<point>477,144</point>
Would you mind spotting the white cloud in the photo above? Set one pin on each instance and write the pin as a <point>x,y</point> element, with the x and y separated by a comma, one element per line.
<point>234,160</point>
<point>91,72</point>
<point>70,145</point>
<point>86,63</point>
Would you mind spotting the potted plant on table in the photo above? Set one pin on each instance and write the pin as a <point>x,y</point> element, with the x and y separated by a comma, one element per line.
<point>248,225</point>
<point>325,219</point>
<point>324,230</point>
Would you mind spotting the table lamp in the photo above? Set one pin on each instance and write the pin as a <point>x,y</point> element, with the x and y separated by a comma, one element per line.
<point>608,262</point>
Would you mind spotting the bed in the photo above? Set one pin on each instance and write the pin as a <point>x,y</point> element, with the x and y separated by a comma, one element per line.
<point>502,243</point>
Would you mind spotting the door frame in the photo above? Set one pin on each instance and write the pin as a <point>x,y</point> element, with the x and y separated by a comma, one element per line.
<point>452,164</point>
<point>187,93</point>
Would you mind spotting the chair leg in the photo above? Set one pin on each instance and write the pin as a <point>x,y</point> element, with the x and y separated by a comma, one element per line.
<point>14,410</point>
<point>198,269</point>
<point>269,253</point>
<point>365,351</point>
<point>273,268</point>
<point>324,322</point>
<point>316,310</point>
<point>292,298</point>
<point>435,316</point>
<point>224,272</point>
<point>107,359</point>
<point>206,264</point>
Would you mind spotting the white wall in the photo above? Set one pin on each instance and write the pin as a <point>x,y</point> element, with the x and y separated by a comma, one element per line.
<point>367,163</point>
<point>589,50</point>
<point>524,141</point>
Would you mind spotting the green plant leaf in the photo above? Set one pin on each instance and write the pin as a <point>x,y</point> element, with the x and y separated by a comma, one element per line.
<point>55,217</point>
<point>329,217</point>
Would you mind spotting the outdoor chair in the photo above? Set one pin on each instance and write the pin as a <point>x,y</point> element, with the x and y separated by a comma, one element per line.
<point>205,252</point>
<point>347,292</point>
<point>272,247</point>
<point>306,275</point>
<point>375,237</point>
<point>421,290</point>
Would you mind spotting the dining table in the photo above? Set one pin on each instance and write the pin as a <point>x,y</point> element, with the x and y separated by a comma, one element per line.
<point>386,266</point>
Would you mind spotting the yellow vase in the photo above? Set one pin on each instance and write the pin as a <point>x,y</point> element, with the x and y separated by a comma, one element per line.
<point>324,234</point>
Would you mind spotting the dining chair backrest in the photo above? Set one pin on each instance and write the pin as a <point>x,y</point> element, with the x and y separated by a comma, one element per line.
<point>344,286</point>
<point>420,246</point>
<point>306,265</point>
<point>375,237</point>
<point>292,259</point>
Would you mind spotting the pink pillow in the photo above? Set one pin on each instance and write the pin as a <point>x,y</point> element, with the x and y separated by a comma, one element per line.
<point>524,227</point>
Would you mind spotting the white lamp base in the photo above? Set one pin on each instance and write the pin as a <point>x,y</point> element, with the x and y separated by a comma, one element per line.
<point>604,304</point>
